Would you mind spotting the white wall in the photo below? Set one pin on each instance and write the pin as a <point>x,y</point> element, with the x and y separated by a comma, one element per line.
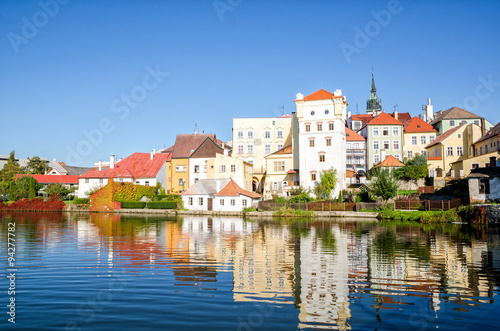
<point>238,203</point>
<point>83,186</point>
<point>196,202</point>
<point>201,174</point>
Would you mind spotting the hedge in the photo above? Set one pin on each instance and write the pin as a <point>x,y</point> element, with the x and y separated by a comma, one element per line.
<point>162,205</point>
<point>81,201</point>
<point>133,204</point>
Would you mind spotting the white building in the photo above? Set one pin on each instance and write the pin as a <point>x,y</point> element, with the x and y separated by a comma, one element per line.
<point>218,195</point>
<point>138,168</point>
<point>319,141</point>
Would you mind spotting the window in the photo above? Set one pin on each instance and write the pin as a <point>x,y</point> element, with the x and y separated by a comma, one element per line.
<point>385,131</point>
<point>395,131</point>
<point>240,134</point>
<point>200,201</point>
<point>86,180</point>
<point>267,134</point>
<point>275,186</point>
<point>375,131</point>
<point>181,181</point>
<point>436,152</point>
<point>267,149</point>
<point>395,145</point>
<point>410,154</point>
<point>474,165</point>
<point>279,166</point>
<point>280,146</point>
<point>240,149</point>
<point>311,142</point>
<point>431,139</point>
<point>205,167</point>
<point>146,183</point>
<point>331,126</point>
<point>274,122</point>
<point>180,168</point>
<point>413,140</point>
<point>313,177</point>
<point>320,126</point>
<point>396,156</point>
<point>328,141</point>
<point>308,127</point>
<point>486,149</point>
<point>190,201</point>
<point>250,149</point>
<point>250,134</point>
<point>484,186</point>
<point>375,144</point>
<point>279,134</point>
<point>356,125</point>
<point>327,112</point>
<point>376,158</point>
<point>233,202</point>
<point>221,202</point>
<point>481,150</point>
<point>233,168</point>
<point>460,150</point>
<point>450,151</point>
<point>244,202</point>
<point>222,168</point>
<point>196,180</point>
<point>356,146</point>
<point>452,123</point>
<point>459,135</point>
<point>196,169</point>
<point>322,158</point>
<point>476,122</point>
<point>423,140</point>
<point>312,113</point>
<point>386,144</point>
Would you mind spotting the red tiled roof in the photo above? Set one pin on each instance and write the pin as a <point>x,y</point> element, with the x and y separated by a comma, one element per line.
<point>384,119</point>
<point>431,158</point>
<point>390,161</point>
<point>493,132</point>
<point>418,125</point>
<point>52,179</point>
<point>353,136</point>
<point>137,165</point>
<point>350,173</point>
<point>186,144</point>
<point>444,135</point>
<point>364,118</point>
<point>320,95</point>
<point>402,117</point>
<point>232,189</point>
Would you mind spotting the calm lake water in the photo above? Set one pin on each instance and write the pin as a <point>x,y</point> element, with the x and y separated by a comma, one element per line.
<point>107,272</point>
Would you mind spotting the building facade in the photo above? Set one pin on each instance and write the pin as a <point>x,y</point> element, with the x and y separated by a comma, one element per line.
<point>319,137</point>
<point>417,134</point>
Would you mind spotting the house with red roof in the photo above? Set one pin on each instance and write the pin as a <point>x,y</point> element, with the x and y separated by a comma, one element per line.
<point>218,195</point>
<point>355,153</point>
<point>319,138</point>
<point>417,134</point>
<point>68,181</point>
<point>384,136</point>
<point>454,145</point>
<point>138,168</point>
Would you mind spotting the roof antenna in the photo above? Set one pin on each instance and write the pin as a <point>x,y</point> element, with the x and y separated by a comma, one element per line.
<point>395,106</point>
<point>195,127</point>
<point>283,108</point>
<point>357,110</point>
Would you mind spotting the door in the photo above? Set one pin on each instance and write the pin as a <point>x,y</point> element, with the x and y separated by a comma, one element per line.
<point>209,204</point>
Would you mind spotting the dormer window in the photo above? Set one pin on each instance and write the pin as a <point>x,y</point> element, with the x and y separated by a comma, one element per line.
<point>312,113</point>
<point>326,112</point>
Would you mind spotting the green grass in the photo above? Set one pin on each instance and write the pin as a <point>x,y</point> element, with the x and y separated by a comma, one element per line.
<point>290,212</point>
<point>421,216</point>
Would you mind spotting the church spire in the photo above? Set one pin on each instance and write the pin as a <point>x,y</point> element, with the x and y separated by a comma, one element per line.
<point>373,104</point>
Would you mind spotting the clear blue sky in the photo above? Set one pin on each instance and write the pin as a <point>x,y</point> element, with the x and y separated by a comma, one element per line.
<point>64,70</point>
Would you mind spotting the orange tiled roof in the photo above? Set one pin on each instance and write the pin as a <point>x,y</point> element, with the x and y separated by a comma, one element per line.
<point>320,95</point>
<point>364,118</point>
<point>418,125</point>
<point>384,119</point>
<point>353,136</point>
<point>390,161</point>
<point>233,190</point>
<point>52,179</point>
<point>285,150</point>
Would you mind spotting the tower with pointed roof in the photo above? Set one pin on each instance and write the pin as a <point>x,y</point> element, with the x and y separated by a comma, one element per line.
<point>373,104</point>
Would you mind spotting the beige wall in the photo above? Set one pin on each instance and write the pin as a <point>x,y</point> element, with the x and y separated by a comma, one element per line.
<point>466,164</point>
<point>487,146</point>
<point>220,168</point>
<point>275,174</point>
<point>419,147</point>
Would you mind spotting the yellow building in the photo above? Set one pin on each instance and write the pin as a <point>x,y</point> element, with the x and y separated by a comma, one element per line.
<point>223,166</point>
<point>280,177</point>
<point>416,135</point>
<point>453,145</point>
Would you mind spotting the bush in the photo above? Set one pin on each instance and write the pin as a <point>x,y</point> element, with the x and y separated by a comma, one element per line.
<point>81,201</point>
<point>161,205</point>
<point>249,209</point>
<point>278,199</point>
<point>290,212</point>
<point>133,204</point>
<point>472,214</point>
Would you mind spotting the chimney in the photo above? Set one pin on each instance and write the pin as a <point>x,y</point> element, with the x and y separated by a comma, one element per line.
<point>100,165</point>
<point>300,96</point>
<point>349,114</point>
<point>152,155</point>
<point>396,115</point>
<point>493,161</point>
<point>483,126</point>
<point>112,162</point>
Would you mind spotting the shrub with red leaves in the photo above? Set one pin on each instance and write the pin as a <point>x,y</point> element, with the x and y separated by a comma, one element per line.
<point>36,204</point>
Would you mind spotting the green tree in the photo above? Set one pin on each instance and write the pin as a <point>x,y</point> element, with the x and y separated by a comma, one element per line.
<point>10,169</point>
<point>328,179</point>
<point>32,188</point>
<point>37,166</point>
<point>22,186</point>
<point>385,185</point>
<point>57,189</point>
<point>414,169</point>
